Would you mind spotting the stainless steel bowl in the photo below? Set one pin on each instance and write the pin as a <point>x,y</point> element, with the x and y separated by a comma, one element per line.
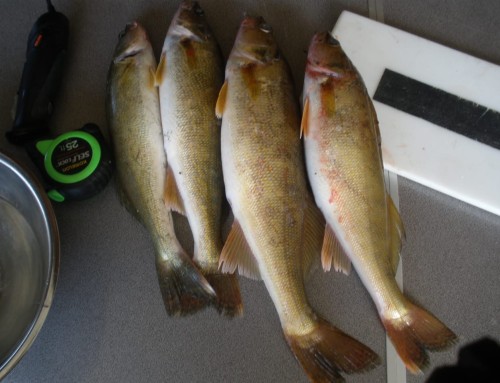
<point>29,261</point>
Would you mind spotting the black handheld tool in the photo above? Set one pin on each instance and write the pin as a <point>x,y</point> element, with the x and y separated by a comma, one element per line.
<point>47,44</point>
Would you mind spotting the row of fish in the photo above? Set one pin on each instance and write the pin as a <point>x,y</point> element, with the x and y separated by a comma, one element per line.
<point>189,76</point>
<point>172,155</point>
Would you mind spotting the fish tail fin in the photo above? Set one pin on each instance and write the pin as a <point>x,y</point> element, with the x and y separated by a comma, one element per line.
<point>327,351</point>
<point>183,288</point>
<point>227,288</point>
<point>415,332</point>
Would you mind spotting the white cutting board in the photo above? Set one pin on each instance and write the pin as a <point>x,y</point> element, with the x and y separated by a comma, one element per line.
<point>413,147</point>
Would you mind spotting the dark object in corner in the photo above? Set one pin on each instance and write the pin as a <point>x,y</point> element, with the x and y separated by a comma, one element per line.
<point>477,362</point>
<point>441,108</point>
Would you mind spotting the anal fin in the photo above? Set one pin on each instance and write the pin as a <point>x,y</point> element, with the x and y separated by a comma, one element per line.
<point>237,255</point>
<point>172,197</point>
<point>332,253</point>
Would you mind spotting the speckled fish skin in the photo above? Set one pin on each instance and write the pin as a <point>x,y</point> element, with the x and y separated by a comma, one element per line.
<point>345,169</point>
<point>265,184</point>
<point>190,75</point>
<point>134,121</point>
<point>263,172</point>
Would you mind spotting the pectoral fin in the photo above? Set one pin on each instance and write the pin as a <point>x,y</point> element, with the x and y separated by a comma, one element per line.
<point>221,101</point>
<point>160,69</point>
<point>190,52</point>
<point>332,252</point>
<point>236,254</point>
<point>327,97</point>
<point>305,119</point>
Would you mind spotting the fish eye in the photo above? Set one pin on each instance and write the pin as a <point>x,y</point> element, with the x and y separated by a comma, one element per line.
<point>331,40</point>
<point>266,28</point>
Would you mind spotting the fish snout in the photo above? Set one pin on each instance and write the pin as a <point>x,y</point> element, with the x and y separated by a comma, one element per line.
<point>325,38</point>
<point>255,22</point>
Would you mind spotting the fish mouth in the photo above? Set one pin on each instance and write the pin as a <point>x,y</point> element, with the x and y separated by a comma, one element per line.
<point>254,43</point>
<point>189,22</point>
<point>256,22</point>
<point>128,27</point>
<point>133,40</point>
<point>133,28</point>
<point>325,56</point>
<point>128,54</point>
<point>325,38</point>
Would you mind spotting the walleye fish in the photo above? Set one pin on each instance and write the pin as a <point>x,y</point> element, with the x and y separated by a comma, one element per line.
<point>134,118</point>
<point>190,75</point>
<point>265,184</point>
<point>345,169</point>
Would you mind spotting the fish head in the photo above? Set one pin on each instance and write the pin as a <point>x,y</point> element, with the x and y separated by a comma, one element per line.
<point>254,43</point>
<point>325,56</point>
<point>131,41</point>
<point>189,22</point>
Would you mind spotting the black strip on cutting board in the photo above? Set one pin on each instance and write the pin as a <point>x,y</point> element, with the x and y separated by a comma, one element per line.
<point>439,107</point>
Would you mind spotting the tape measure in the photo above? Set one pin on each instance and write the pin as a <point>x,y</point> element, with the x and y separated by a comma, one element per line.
<point>75,165</point>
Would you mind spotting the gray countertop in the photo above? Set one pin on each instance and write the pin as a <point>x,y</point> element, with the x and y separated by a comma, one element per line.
<point>107,322</point>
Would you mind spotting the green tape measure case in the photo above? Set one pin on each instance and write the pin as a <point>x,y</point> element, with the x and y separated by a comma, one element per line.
<point>76,165</point>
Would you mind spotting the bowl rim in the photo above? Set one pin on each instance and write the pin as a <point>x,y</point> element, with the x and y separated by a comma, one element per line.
<point>37,190</point>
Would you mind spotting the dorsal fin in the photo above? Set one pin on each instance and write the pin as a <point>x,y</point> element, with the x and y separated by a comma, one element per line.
<point>332,253</point>
<point>237,255</point>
